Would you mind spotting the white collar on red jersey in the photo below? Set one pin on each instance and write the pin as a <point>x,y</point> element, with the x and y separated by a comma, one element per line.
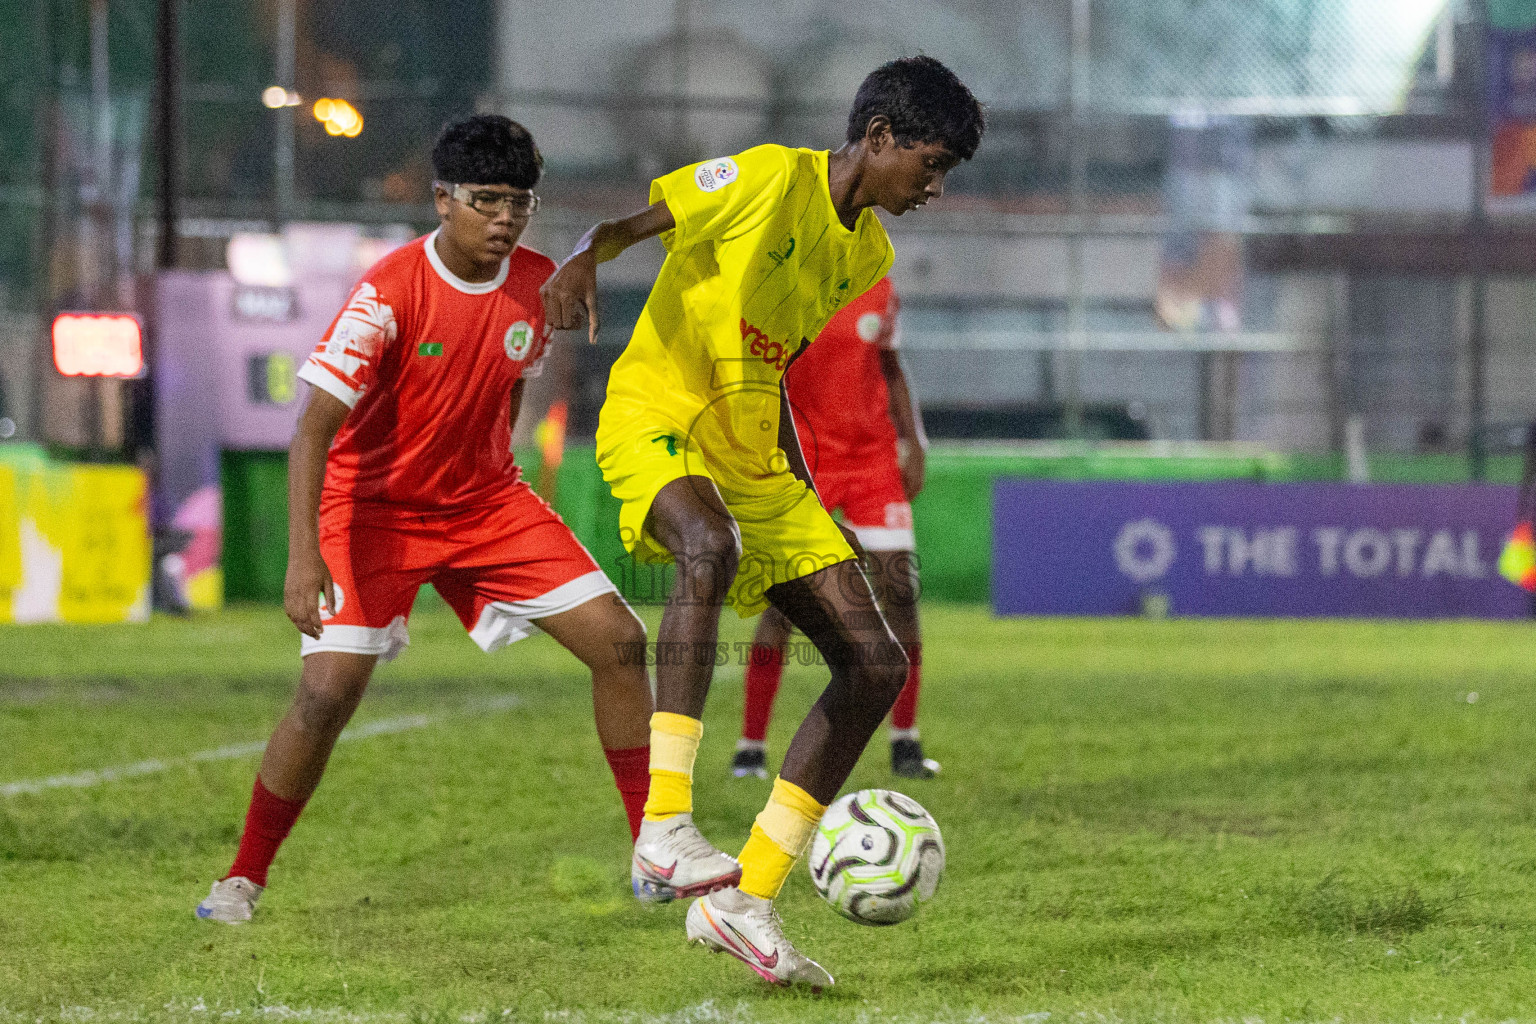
<point>454,280</point>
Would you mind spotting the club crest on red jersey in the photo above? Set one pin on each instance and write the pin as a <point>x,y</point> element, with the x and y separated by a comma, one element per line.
<point>519,340</point>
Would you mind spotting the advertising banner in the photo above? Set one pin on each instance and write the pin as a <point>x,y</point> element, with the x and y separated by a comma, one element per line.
<point>1252,549</point>
<point>74,542</point>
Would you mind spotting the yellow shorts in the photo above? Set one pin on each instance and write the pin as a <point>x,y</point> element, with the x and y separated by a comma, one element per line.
<point>785,533</point>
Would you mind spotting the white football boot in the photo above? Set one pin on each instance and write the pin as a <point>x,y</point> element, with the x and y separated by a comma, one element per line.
<point>748,928</point>
<point>673,860</point>
<point>231,901</point>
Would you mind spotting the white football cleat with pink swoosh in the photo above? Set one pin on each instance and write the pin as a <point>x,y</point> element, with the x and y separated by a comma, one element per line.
<point>748,928</point>
<point>673,861</point>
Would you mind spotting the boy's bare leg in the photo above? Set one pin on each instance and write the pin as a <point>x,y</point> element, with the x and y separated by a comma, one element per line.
<point>893,578</point>
<point>672,859</point>
<point>689,519</point>
<point>330,687</point>
<point>761,676</point>
<point>893,575</point>
<point>836,610</point>
<point>773,630</point>
<point>607,637</point>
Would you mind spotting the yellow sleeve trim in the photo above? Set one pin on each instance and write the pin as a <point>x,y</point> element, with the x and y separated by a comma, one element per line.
<point>662,192</point>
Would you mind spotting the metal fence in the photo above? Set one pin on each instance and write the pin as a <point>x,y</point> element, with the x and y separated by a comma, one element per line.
<point>1212,219</point>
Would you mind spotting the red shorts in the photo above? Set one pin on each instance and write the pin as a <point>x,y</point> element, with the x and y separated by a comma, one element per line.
<point>870,495</point>
<point>500,567</point>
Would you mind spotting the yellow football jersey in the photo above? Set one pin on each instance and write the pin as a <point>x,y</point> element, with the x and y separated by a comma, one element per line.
<point>757,264</point>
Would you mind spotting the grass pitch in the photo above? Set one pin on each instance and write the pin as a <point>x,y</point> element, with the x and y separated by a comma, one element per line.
<point>1171,820</point>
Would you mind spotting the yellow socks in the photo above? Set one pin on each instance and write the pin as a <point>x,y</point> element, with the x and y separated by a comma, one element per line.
<point>780,836</point>
<point>782,831</point>
<point>674,745</point>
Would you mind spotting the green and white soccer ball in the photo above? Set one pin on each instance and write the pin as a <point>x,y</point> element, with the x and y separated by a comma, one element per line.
<point>875,856</point>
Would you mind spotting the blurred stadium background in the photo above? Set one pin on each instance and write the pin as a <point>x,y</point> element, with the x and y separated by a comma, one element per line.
<point>1231,316</point>
<point>1285,239</point>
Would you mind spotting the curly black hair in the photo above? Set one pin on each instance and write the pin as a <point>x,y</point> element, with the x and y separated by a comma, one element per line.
<point>487,149</point>
<point>924,101</point>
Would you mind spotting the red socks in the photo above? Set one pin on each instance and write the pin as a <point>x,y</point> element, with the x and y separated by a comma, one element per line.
<point>632,774</point>
<point>904,714</point>
<point>267,824</point>
<point>765,667</point>
<point>270,817</point>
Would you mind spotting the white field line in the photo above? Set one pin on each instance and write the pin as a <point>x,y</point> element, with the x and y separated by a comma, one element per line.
<point>379,727</point>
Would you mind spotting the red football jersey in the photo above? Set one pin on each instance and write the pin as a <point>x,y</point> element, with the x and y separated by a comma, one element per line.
<point>836,389</point>
<point>427,362</point>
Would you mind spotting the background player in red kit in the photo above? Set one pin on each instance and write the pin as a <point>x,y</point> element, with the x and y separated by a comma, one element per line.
<point>408,423</point>
<point>862,433</point>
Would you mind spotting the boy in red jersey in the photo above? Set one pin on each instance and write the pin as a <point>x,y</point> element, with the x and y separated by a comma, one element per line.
<point>401,473</point>
<point>864,444</point>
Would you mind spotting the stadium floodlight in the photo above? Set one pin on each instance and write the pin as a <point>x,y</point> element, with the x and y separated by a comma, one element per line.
<point>276,97</point>
<point>98,345</point>
<point>338,116</point>
<point>258,260</point>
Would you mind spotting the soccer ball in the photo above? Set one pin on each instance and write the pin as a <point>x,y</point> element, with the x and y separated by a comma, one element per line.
<point>875,856</point>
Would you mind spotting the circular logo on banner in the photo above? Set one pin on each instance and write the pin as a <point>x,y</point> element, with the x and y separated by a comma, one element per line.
<point>713,174</point>
<point>868,326</point>
<point>1145,550</point>
<point>519,339</point>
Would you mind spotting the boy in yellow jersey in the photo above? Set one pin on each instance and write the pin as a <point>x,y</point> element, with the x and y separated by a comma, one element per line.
<point>696,440</point>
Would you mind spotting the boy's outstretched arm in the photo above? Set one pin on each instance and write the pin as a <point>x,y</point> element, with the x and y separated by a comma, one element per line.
<point>570,295</point>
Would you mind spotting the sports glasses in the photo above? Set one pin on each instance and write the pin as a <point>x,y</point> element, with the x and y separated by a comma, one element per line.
<point>490,204</point>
